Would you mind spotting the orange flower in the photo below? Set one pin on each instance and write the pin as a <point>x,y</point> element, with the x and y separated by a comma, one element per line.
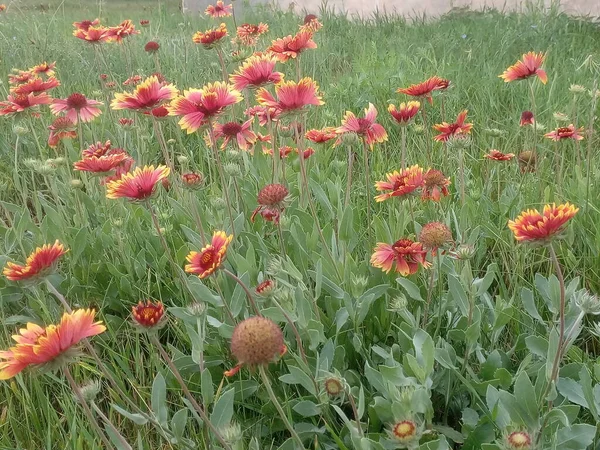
<point>93,34</point>
<point>248,34</point>
<point>37,346</point>
<point>86,24</point>
<point>569,132</point>
<point>148,95</point>
<point>529,66</point>
<point>77,106</point>
<point>192,180</point>
<point>448,130</point>
<point>98,149</point>
<point>45,68</point>
<point>2,7</point>
<point>210,37</point>
<point>311,23</point>
<point>124,29</point>
<point>499,156</point>
<point>137,185</point>
<point>406,113</point>
<point>240,132</point>
<point>425,88</point>
<point>134,80</point>
<point>527,118</point>
<point>198,106</point>
<point>321,136</point>
<point>405,253</point>
<point>435,185</point>
<point>18,103</point>
<point>365,127</point>
<point>291,96</point>
<point>148,314</point>
<point>21,76</point>
<point>39,263</point>
<point>264,114</point>
<point>101,164</point>
<point>61,128</point>
<point>219,9</point>
<point>209,259</point>
<point>536,227</point>
<point>256,71</point>
<point>291,46</point>
<point>400,183</point>
<point>35,86</point>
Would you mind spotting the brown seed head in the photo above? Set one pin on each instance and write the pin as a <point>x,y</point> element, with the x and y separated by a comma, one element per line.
<point>435,235</point>
<point>256,340</point>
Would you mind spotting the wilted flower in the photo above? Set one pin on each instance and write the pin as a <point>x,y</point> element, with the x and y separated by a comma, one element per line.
<point>447,130</point>
<point>435,185</point>
<point>527,161</point>
<point>271,202</point>
<point>569,132</point>
<point>533,226</point>
<point>256,341</point>
<point>499,156</point>
<point>406,254</point>
<point>55,344</point>
<point>210,258</point>
<point>248,34</point>
<point>321,136</point>
<point>38,264</point>
<point>149,315</point>
<point>435,235</point>
<point>530,65</point>
<point>400,184</point>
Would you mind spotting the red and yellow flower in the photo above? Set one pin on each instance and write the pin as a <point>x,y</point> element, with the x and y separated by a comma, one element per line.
<point>435,185</point>
<point>39,263</point>
<point>86,24</point>
<point>134,80</point>
<point>321,136</point>
<point>93,34</point>
<point>526,118</point>
<point>291,46</point>
<point>528,66</point>
<point>263,113</point>
<point>400,184</point>
<point>147,95</point>
<point>61,128</point>
<point>256,71</point>
<point>101,164</point>
<point>569,132</point>
<point>35,86</point>
<point>447,130</point>
<point>43,68</point>
<point>123,30</point>
<point>148,314</point>
<point>210,258</point>
<point>497,155</point>
<point>77,106</point>
<point>291,96</point>
<point>198,106</point>
<point>425,89</point>
<point>240,132</point>
<point>366,127</point>
<point>37,346</point>
<point>248,34</point>
<point>533,226</point>
<point>137,185</point>
<point>211,37</point>
<point>15,104</point>
<point>405,113</point>
<point>219,9</point>
<point>405,254</point>
<point>311,23</point>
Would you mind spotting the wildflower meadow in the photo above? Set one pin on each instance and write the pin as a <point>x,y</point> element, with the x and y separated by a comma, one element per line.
<point>255,228</point>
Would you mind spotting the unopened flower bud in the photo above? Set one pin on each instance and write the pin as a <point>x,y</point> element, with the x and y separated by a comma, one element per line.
<point>90,390</point>
<point>20,131</point>
<point>218,203</point>
<point>560,117</point>
<point>576,89</point>
<point>197,309</point>
<point>233,169</point>
<point>76,184</point>
<point>493,132</point>
<point>587,302</point>
<point>182,159</point>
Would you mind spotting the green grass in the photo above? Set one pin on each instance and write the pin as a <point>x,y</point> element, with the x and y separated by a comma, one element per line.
<point>116,258</point>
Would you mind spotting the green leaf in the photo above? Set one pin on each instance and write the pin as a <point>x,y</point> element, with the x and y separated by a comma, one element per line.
<point>297,376</point>
<point>450,432</point>
<point>178,423</point>
<point>411,288</point>
<point>424,350</point>
<point>577,437</point>
<point>458,294</point>
<point>159,399</point>
<point>206,387</point>
<point>529,304</point>
<point>572,390</point>
<point>591,395</point>
<point>223,410</point>
<point>136,418</point>
<point>552,350</point>
<point>525,393</point>
<point>306,408</point>
<point>366,300</point>
<point>537,345</point>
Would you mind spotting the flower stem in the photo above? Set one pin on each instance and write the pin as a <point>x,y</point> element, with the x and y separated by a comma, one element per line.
<point>162,143</point>
<point>461,163</point>
<point>355,412</point>
<point>561,334</point>
<point>86,408</point>
<point>109,424</point>
<point>187,392</point>
<point>222,63</point>
<point>349,177</point>
<point>246,290</point>
<point>213,143</point>
<point>403,144</point>
<point>277,405</point>
<point>428,302</point>
<point>367,187</point>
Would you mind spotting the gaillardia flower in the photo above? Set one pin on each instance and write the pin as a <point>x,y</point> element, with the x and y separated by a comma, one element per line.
<point>497,155</point>
<point>271,202</point>
<point>569,132</point>
<point>291,46</point>
<point>518,440</point>
<point>366,127</point>
<point>248,34</point>
<point>256,341</point>
<point>531,226</point>
<point>291,96</point>
<point>61,128</point>
<point>209,259</point>
<point>405,113</point>
<point>18,103</point>
<point>198,106</point>
<point>526,118</point>
<point>38,264</point>
<point>93,34</point>
<point>265,288</point>
<point>192,180</point>
<point>407,255</point>
<point>151,47</point>
<point>435,185</point>
<point>529,66</point>
<point>211,37</point>
<point>147,95</point>
<point>149,314</point>
<point>424,89</point>
<point>435,235</point>
<point>447,130</point>
<point>77,107</point>
<point>123,30</point>
<point>137,185</point>
<point>44,68</point>
<point>405,432</point>
<point>36,85</point>
<point>101,164</point>
<point>50,346</point>
<point>256,71</point>
<point>241,133</point>
<point>400,183</point>
<point>321,136</point>
<point>219,9</point>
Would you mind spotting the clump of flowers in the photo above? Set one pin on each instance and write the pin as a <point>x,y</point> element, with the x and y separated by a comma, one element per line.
<point>256,341</point>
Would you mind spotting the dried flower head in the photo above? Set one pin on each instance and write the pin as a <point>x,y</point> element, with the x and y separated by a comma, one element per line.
<point>435,235</point>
